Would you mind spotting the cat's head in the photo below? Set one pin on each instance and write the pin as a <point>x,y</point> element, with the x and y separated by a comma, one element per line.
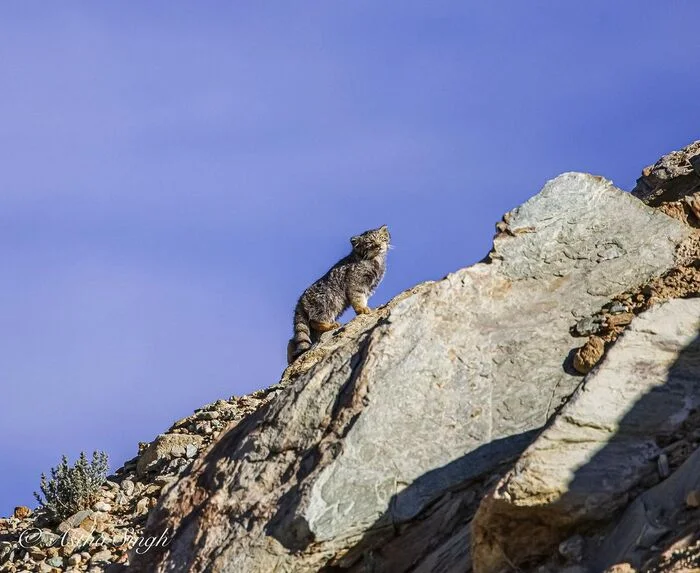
<point>371,243</point>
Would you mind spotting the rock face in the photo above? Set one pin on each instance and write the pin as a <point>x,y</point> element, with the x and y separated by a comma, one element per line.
<point>651,517</point>
<point>602,446</point>
<point>377,451</point>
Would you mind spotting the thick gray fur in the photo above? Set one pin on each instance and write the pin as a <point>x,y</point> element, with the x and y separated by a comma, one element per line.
<point>350,282</point>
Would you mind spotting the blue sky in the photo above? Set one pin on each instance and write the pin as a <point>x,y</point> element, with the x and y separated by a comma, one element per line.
<point>174,174</point>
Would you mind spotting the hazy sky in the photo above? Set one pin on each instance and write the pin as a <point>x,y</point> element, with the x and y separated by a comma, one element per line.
<point>174,174</point>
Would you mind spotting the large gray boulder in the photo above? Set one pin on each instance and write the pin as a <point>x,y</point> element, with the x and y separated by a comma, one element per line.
<point>602,449</point>
<point>378,446</point>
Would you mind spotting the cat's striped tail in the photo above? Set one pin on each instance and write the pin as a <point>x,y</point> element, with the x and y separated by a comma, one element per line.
<point>301,341</point>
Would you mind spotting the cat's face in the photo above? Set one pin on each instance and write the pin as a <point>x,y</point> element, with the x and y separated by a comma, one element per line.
<point>371,243</point>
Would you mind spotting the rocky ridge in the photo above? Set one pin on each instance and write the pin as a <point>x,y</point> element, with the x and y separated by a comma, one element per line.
<point>452,430</point>
<point>463,373</point>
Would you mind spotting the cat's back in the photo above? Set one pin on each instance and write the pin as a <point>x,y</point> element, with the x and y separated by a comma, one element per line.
<point>335,276</point>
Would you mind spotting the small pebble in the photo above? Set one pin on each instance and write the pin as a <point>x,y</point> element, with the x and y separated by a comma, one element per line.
<point>22,512</point>
<point>572,549</point>
<point>104,556</point>
<point>693,499</point>
<point>663,468</point>
<point>102,506</point>
<point>588,355</point>
<point>128,487</point>
<point>55,561</point>
<point>617,308</point>
<point>142,506</point>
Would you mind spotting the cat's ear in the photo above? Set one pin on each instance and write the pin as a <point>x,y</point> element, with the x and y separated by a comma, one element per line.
<point>384,229</point>
<point>355,241</point>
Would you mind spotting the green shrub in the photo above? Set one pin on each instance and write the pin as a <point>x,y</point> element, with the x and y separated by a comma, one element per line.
<point>71,489</point>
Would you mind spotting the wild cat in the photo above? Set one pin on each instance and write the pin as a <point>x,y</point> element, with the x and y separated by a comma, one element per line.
<point>350,282</point>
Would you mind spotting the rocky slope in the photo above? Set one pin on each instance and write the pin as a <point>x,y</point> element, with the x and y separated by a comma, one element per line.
<point>453,429</point>
<point>100,538</point>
